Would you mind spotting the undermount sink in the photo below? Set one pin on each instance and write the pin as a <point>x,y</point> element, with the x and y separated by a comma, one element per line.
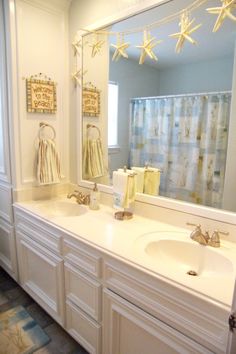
<point>189,257</point>
<point>61,208</point>
<point>175,254</point>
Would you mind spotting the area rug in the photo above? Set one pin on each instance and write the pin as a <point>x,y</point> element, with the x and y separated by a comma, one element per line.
<point>19,333</point>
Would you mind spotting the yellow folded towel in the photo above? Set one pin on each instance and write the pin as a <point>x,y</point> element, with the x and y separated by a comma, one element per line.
<point>151,181</point>
<point>124,189</point>
<point>93,162</point>
<point>140,178</point>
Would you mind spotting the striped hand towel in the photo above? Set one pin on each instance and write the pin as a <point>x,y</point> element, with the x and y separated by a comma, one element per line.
<point>93,163</point>
<point>48,163</point>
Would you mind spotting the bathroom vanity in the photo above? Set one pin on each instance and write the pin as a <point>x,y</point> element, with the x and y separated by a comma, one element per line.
<point>96,277</point>
<point>118,287</point>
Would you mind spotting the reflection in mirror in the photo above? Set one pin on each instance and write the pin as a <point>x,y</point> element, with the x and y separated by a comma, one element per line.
<point>175,114</point>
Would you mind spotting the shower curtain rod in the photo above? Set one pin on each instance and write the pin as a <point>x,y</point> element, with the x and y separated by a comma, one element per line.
<point>183,95</point>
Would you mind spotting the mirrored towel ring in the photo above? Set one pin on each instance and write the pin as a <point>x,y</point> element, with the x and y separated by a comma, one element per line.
<point>92,126</point>
<point>42,126</point>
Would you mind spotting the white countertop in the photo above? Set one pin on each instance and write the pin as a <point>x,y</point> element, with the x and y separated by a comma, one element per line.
<point>128,240</point>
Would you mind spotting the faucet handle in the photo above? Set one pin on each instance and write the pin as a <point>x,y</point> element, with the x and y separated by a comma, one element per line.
<point>215,238</point>
<point>222,232</point>
<point>191,224</point>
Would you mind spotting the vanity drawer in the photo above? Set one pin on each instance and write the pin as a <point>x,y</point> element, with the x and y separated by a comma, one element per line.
<point>83,291</point>
<point>201,320</point>
<point>83,257</point>
<point>83,329</point>
<point>36,230</point>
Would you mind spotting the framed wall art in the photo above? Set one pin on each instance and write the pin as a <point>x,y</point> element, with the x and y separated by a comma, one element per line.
<point>41,96</point>
<point>91,101</point>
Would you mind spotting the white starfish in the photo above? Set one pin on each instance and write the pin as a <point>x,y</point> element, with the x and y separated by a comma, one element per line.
<point>96,47</point>
<point>185,32</point>
<point>78,75</point>
<point>76,46</point>
<point>120,47</point>
<point>223,12</point>
<point>147,47</point>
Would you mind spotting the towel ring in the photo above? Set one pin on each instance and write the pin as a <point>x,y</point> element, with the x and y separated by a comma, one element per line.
<point>95,127</point>
<point>43,125</point>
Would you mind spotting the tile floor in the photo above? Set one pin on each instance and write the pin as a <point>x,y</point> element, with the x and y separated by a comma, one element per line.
<point>11,294</point>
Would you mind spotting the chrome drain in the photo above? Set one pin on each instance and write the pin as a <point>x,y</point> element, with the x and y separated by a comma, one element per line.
<point>192,272</point>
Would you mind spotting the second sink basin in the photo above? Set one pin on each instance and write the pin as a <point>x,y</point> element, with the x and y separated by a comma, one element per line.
<point>175,254</point>
<point>187,256</point>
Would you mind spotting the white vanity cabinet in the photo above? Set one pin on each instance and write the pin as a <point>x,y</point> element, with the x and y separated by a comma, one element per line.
<point>130,330</point>
<point>83,290</point>
<point>142,311</point>
<point>40,265</point>
<point>109,305</point>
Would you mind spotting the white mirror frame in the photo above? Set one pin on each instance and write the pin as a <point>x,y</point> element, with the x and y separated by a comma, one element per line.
<point>195,209</point>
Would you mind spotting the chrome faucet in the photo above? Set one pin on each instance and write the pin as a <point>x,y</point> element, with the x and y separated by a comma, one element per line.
<point>204,239</point>
<point>198,236</point>
<point>80,197</point>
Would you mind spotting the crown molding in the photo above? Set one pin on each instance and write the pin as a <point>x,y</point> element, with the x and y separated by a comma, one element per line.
<point>53,5</point>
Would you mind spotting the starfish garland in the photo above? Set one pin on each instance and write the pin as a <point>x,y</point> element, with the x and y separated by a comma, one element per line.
<point>77,75</point>
<point>96,47</point>
<point>77,46</point>
<point>120,47</point>
<point>223,12</point>
<point>147,47</point>
<point>185,32</point>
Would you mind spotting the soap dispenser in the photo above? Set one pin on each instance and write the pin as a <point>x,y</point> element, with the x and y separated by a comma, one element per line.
<point>94,198</point>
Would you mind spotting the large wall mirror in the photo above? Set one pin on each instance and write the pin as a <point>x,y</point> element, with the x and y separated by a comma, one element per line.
<point>176,113</point>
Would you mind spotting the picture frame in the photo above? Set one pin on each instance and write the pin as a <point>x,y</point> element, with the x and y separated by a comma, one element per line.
<point>41,96</point>
<point>91,102</point>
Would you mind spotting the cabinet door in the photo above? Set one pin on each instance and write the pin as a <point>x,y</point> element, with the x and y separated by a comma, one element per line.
<point>8,249</point>
<point>129,330</point>
<point>41,275</point>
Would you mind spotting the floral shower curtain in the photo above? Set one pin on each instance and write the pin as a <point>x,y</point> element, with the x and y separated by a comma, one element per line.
<point>186,137</point>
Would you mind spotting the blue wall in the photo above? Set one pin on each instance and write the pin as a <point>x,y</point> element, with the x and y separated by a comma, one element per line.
<point>205,76</point>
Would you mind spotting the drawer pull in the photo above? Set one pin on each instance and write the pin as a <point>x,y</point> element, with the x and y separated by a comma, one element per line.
<point>232,322</point>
